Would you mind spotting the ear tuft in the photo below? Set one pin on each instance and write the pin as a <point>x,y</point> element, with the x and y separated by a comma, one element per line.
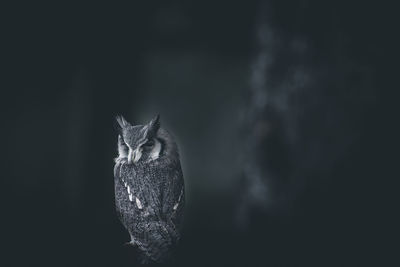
<point>155,122</point>
<point>153,125</point>
<point>122,122</point>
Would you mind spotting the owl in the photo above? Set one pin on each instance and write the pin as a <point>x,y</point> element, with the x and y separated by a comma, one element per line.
<point>149,188</point>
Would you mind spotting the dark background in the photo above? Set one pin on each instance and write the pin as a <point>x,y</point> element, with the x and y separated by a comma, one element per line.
<point>281,110</point>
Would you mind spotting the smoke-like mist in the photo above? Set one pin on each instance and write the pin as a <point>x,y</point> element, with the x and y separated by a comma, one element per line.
<point>279,109</point>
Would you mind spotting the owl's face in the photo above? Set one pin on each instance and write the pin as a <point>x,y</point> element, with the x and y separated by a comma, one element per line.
<point>140,141</point>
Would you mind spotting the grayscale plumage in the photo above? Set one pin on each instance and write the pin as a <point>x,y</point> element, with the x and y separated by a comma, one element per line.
<point>149,188</point>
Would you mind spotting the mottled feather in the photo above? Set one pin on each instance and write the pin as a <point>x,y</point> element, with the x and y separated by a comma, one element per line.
<point>152,209</point>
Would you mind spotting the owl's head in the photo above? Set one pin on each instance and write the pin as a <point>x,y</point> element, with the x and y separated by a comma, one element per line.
<point>140,142</point>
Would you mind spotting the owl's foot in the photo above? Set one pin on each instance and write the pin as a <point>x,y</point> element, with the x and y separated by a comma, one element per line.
<point>131,243</point>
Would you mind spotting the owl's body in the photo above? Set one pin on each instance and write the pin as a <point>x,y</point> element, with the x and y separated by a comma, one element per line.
<point>149,188</point>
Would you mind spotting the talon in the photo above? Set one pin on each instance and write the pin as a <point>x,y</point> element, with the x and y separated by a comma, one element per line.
<point>130,243</point>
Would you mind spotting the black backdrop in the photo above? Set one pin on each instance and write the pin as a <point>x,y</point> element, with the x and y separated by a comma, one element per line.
<point>70,68</point>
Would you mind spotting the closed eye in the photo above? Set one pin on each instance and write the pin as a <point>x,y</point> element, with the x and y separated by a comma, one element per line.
<point>148,144</point>
<point>126,144</point>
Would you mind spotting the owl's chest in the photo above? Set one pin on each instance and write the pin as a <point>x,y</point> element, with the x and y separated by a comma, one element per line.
<point>139,189</point>
<point>147,181</point>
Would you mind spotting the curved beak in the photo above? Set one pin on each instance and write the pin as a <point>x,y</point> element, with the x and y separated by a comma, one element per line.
<point>134,155</point>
